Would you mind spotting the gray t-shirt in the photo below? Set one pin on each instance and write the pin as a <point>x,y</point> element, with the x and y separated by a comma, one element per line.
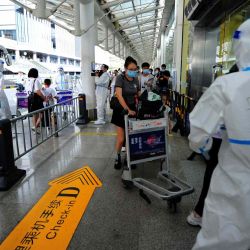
<point>129,88</point>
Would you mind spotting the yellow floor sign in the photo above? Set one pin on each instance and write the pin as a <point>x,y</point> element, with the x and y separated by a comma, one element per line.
<point>52,222</point>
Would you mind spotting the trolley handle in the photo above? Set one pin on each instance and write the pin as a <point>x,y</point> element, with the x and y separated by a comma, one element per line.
<point>125,112</point>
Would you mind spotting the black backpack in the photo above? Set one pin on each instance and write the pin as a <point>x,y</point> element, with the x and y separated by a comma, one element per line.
<point>149,109</point>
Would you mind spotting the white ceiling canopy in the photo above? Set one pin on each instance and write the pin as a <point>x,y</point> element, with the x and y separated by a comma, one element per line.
<point>136,22</point>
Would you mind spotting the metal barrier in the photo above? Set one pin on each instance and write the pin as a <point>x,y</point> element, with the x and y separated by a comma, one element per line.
<point>181,106</point>
<point>53,119</point>
<point>18,136</point>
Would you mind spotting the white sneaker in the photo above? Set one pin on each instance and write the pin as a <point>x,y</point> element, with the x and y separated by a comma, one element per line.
<point>38,132</point>
<point>194,220</point>
<point>99,122</point>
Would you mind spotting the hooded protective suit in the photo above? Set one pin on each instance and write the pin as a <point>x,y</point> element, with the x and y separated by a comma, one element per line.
<point>226,216</point>
<point>62,80</point>
<point>101,96</point>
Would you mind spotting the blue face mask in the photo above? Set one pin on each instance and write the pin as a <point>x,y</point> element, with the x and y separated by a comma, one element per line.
<point>132,73</point>
<point>146,71</point>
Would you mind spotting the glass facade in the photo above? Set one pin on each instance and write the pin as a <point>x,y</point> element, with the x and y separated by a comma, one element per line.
<point>225,55</point>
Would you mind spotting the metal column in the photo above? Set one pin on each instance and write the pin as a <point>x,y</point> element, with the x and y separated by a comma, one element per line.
<point>122,51</point>
<point>113,40</point>
<point>88,51</point>
<point>107,38</point>
<point>162,48</point>
<point>119,49</point>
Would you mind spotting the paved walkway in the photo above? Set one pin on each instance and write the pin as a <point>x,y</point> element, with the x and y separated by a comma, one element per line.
<point>115,218</point>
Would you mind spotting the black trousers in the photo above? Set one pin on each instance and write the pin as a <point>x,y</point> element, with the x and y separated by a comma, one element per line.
<point>211,164</point>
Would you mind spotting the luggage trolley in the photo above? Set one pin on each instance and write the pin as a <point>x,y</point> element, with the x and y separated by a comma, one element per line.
<point>146,140</point>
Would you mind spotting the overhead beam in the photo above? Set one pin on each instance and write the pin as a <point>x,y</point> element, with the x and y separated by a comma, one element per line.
<point>113,3</point>
<point>147,21</point>
<point>52,7</point>
<point>114,11</point>
<point>136,13</point>
<point>150,39</point>
<point>144,55</point>
<point>139,34</point>
<point>141,30</point>
<point>138,45</point>
<point>142,35</point>
<point>139,42</point>
<point>145,47</point>
<point>107,21</point>
<point>41,10</point>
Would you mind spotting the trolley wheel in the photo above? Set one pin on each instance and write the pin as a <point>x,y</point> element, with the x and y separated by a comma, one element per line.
<point>172,203</point>
<point>127,184</point>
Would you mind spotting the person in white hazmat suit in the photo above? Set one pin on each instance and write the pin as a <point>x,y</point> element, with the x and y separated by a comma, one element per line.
<point>62,80</point>
<point>226,215</point>
<point>102,91</point>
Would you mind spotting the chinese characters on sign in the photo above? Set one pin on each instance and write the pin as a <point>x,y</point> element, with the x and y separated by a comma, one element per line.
<point>31,236</point>
<point>51,223</point>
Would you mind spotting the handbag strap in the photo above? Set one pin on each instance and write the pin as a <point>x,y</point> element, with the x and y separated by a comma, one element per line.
<point>33,88</point>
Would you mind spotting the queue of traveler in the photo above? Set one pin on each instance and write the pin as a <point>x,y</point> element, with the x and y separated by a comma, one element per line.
<point>127,87</point>
<point>158,79</point>
<point>219,123</point>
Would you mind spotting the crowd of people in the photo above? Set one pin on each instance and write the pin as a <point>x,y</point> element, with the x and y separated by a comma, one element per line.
<point>127,86</point>
<point>219,126</point>
<point>219,129</point>
<point>158,79</point>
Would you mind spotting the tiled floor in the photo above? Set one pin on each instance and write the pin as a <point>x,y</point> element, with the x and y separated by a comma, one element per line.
<point>116,218</point>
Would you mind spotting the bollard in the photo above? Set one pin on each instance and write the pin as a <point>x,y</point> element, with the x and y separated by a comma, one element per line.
<point>83,113</point>
<point>9,173</point>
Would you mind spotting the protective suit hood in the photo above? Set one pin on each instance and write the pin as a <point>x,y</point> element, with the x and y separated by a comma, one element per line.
<point>242,45</point>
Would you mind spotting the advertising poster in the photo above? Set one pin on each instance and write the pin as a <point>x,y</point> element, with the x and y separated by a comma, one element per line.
<point>147,144</point>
